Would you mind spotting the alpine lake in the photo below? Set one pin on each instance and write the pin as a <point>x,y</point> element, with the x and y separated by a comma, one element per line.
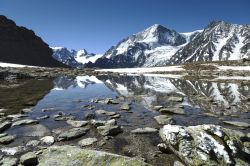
<point>36,108</point>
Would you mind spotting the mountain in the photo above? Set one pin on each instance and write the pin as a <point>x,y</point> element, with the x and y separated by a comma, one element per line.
<point>151,47</point>
<point>20,45</point>
<point>218,42</point>
<point>74,58</point>
<point>159,46</point>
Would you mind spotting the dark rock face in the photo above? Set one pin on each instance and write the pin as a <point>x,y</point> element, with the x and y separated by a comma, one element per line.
<point>21,46</point>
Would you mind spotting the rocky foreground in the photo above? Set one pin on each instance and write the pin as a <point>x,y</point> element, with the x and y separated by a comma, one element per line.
<point>194,145</point>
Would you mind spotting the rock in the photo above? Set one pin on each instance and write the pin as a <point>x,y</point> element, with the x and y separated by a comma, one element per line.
<point>48,109</point>
<point>113,101</point>
<point>178,163</point>
<point>5,125</point>
<point>9,161</point>
<point>33,130</point>
<point>72,133</point>
<point>16,117</point>
<point>175,99</point>
<point>89,116</point>
<point>146,130</point>
<point>173,110</point>
<point>76,123</point>
<point>164,119</point>
<point>33,143</point>
<point>97,123</point>
<point>62,117</point>
<point>71,155</point>
<point>7,139</point>
<point>238,124</point>
<point>43,117</point>
<point>47,140</point>
<point>13,150</point>
<point>203,144</point>
<point>109,130</point>
<point>125,106</point>
<point>3,135</point>
<point>29,158</point>
<point>105,112</point>
<point>115,116</point>
<point>163,148</point>
<point>158,107</point>
<point>26,110</point>
<point>24,122</point>
<point>87,142</point>
<point>111,122</point>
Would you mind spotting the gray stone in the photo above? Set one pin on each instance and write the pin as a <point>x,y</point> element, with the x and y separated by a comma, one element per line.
<point>7,139</point>
<point>43,117</point>
<point>97,123</point>
<point>13,150</point>
<point>175,99</point>
<point>5,125</point>
<point>47,140</point>
<point>109,130</point>
<point>178,163</point>
<point>16,117</point>
<point>72,133</point>
<point>105,112</point>
<point>26,110</point>
<point>71,155</point>
<point>29,158</point>
<point>34,130</point>
<point>164,119</point>
<point>173,110</point>
<point>90,116</point>
<point>9,161</point>
<point>146,130</point>
<point>24,122</point>
<point>33,143</point>
<point>158,107</point>
<point>203,144</point>
<point>87,142</point>
<point>239,124</point>
<point>125,106</point>
<point>3,135</point>
<point>77,123</point>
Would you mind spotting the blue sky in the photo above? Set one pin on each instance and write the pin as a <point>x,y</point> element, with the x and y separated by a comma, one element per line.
<point>96,25</point>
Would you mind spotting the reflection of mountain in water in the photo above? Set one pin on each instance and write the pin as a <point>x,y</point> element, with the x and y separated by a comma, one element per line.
<point>65,82</point>
<point>152,91</point>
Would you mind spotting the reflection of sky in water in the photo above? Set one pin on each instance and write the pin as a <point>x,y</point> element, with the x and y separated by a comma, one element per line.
<point>68,91</point>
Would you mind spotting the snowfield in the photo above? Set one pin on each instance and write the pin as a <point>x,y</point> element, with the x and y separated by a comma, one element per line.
<point>2,64</point>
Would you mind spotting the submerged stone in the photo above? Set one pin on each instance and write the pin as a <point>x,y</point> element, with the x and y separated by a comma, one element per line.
<point>71,155</point>
<point>239,124</point>
<point>24,122</point>
<point>173,110</point>
<point>72,133</point>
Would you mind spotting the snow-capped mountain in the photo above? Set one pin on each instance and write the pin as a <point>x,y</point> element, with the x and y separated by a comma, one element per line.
<point>74,58</point>
<point>151,47</point>
<point>157,46</point>
<point>218,42</point>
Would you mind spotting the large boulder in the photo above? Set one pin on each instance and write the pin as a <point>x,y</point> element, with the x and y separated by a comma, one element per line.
<point>71,155</point>
<point>205,144</point>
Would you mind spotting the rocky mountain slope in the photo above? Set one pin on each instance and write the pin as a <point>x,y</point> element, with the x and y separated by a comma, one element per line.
<point>219,41</point>
<point>74,58</point>
<point>158,46</point>
<point>20,45</point>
